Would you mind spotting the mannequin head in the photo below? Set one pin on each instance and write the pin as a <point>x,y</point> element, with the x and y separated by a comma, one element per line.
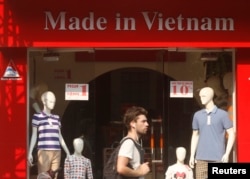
<point>215,83</point>
<point>181,154</point>
<point>78,146</point>
<point>37,90</point>
<point>206,95</point>
<point>48,98</point>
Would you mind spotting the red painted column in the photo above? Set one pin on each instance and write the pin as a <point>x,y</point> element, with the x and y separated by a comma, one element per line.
<point>13,107</point>
<point>243,104</point>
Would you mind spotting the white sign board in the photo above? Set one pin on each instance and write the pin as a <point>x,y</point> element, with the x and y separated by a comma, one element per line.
<point>75,91</point>
<point>181,89</point>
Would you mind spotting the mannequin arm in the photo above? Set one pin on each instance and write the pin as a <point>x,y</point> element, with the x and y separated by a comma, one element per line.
<point>194,143</point>
<point>63,144</point>
<point>230,143</point>
<point>32,144</point>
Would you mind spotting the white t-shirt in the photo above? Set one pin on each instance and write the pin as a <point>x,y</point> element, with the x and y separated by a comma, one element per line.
<point>179,171</point>
<point>129,150</point>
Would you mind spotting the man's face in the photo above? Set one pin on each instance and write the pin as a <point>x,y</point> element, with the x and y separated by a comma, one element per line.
<point>141,125</point>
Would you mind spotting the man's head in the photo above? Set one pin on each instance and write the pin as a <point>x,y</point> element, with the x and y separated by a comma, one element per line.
<point>136,117</point>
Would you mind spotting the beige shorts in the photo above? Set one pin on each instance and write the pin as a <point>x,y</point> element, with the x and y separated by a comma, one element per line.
<point>48,160</point>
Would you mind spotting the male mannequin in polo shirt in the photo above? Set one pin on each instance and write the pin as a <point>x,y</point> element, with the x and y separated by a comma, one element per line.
<point>207,123</point>
<point>50,139</point>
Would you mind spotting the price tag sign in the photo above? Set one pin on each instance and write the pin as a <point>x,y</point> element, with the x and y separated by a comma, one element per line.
<point>181,89</point>
<point>75,91</point>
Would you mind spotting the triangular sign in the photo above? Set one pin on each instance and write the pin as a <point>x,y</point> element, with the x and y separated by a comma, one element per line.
<point>11,71</point>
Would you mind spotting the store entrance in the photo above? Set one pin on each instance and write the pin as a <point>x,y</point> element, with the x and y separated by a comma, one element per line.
<point>118,79</point>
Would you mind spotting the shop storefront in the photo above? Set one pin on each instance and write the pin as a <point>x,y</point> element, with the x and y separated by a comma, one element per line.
<point>157,54</point>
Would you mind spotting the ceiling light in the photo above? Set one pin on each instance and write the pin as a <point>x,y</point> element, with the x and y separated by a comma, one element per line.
<point>51,57</point>
<point>209,56</point>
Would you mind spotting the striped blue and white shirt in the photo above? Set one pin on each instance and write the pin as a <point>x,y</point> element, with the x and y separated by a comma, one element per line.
<point>48,131</point>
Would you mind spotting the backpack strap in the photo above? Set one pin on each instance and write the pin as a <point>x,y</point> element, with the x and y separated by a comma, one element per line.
<point>138,146</point>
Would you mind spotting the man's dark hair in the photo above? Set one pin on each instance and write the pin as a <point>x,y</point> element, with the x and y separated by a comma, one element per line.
<point>132,113</point>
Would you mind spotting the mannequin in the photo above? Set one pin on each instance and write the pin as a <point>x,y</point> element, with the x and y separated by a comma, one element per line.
<point>47,124</point>
<point>208,139</point>
<point>35,96</point>
<point>76,165</point>
<point>179,170</point>
<point>221,96</point>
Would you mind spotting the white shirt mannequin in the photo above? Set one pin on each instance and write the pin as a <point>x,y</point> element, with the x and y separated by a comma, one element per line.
<point>179,170</point>
<point>48,99</point>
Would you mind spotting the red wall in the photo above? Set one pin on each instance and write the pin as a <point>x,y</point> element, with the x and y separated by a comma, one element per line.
<point>243,103</point>
<point>13,107</point>
<point>22,26</point>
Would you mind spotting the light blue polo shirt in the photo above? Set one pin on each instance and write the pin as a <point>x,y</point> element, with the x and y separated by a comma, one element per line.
<point>211,144</point>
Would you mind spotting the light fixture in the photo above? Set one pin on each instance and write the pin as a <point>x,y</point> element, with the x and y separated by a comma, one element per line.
<point>209,56</point>
<point>51,56</point>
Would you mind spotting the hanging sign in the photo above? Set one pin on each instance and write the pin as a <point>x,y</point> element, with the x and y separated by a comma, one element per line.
<point>75,91</point>
<point>181,89</point>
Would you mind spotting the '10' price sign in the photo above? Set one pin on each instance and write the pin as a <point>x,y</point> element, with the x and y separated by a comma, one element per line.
<point>76,91</point>
<point>181,89</point>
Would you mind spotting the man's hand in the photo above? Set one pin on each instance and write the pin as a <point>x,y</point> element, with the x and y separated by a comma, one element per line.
<point>144,169</point>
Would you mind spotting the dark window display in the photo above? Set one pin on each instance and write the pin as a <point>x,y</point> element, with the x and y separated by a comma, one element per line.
<point>119,79</point>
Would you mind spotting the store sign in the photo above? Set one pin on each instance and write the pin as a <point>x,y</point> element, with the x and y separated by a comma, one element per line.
<point>75,91</point>
<point>149,24</point>
<point>181,89</point>
<point>154,20</point>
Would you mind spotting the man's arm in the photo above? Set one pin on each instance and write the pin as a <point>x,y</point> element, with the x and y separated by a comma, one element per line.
<point>123,169</point>
<point>230,143</point>
<point>194,143</point>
